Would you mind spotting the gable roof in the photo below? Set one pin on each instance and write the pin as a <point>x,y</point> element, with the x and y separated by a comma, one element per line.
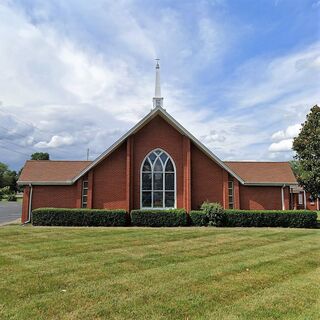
<point>167,117</point>
<point>50,172</point>
<point>263,173</point>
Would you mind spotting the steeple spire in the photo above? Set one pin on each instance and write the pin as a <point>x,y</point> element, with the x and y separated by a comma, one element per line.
<point>157,100</point>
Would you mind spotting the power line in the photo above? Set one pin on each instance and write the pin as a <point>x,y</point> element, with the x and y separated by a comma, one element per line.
<point>13,133</point>
<point>18,145</point>
<point>3,147</point>
<point>25,122</point>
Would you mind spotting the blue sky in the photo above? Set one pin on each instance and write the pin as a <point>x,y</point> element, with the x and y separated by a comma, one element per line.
<point>239,75</point>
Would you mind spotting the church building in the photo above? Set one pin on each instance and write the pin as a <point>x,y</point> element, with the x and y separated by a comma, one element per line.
<point>157,164</point>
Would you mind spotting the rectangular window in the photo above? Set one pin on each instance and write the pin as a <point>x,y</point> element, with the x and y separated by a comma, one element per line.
<point>230,194</point>
<point>84,198</point>
<point>300,199</point>
<point>312,200</point>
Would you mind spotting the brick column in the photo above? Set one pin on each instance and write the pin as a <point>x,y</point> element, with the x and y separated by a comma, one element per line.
<point>236,194</point>
<point>286,198</point>
<point>186,174</point>
<point>25,204</point>
<point>225,200</point>
<point>90,189</point>
<point>129,174</point>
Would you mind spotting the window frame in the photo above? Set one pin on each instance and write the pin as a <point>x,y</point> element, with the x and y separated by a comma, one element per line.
<point>163,172</point>
<point>84,204</point>
<point>232,194</point>
<point>312,200</point>
<point>300,199</point>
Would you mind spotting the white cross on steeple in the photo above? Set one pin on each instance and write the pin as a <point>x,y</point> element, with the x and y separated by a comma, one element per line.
<point>157,100</point>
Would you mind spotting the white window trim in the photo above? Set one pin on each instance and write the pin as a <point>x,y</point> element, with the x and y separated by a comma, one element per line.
<point>232,189</point>
<point>163,190</point>
<point>83,195</point>
<point>300,199</point>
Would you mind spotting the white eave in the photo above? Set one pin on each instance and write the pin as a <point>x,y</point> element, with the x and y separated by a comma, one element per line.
<point>45,183</point>
<point>270,184</point>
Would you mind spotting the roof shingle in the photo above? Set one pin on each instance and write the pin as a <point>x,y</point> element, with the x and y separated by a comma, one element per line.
<point>51,171</point>
<point>263,172</point>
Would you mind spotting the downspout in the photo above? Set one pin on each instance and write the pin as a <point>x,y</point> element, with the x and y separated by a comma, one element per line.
<point>305,200</point>
<point>30,205</point>
<point>282,196</point>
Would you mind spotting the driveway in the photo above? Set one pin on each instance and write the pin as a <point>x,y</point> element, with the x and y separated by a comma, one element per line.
<point>9,211</point>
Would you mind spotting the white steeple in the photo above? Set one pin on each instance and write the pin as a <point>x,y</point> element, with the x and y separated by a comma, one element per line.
<point>157,100</point>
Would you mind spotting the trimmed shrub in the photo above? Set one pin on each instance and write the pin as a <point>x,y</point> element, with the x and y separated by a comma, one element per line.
<point>271,218</point>
<point>214,212</point>
<point>159,218</point>
<point>198,218</point>
<point>79,217</point>
<point>12,197</point>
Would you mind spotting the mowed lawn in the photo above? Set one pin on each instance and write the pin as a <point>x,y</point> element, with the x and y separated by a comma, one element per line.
<point>178,273</point>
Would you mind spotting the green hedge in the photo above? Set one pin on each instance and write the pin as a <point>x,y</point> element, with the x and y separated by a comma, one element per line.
<point>198,218</point>
<point>261,218</point>
<point>271,218</point>
<point>159,218</point>
<point>79,217</point>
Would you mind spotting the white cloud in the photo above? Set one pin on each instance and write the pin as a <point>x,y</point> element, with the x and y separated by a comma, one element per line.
<point>266,81</point>
<point>290,132</point>
<point>82,80</point>
<point>281,146</point>
<point>55,142</point>
<point>283,139</point>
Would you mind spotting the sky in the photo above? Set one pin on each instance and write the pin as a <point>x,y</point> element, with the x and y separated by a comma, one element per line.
<point>240,75</point>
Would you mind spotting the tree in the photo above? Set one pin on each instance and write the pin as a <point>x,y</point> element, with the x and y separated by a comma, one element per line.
<point>40,156</point>
<point>307,148</point>
<point>296,168</point>
<point>8,177</point>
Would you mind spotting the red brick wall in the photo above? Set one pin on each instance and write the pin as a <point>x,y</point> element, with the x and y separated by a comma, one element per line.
<point>312,205</point>
<point>206,179</point>
<point>109,181</point>
<point>157,134</point>
<point>54,196</point>
<point>115,182</point>
<point>262,198</point>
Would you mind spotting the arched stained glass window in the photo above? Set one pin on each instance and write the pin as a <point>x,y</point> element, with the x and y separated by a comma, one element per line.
<point>158,181</point>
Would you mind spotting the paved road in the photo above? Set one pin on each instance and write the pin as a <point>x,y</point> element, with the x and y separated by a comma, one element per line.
<point>9,211</point>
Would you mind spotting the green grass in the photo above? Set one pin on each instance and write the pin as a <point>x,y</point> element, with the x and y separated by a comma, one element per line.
<point>178,273</point>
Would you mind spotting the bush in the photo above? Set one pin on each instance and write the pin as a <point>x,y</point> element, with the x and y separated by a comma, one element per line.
<point>159,218</point>
<point>1,197</point>
<point>198,218</point>
<point>5,191</point>
<point>12,197</point>
<point>271,218</point>
<point>79,217</point>
<point>214,212</point>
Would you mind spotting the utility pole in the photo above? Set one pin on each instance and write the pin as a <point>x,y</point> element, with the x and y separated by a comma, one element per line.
<point>88,154</point>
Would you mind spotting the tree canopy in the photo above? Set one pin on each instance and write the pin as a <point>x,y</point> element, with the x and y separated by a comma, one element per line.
<point>307,148</point>
<point>8,177</point>
<point>40,156</point>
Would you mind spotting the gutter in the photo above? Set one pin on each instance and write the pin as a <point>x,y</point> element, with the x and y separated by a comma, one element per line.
<point>282,197</point>
<point>30,205</point>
